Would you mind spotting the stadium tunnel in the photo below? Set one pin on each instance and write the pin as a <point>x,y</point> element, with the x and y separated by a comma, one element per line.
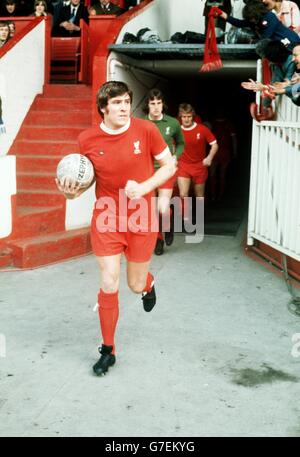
<point>175,70</point>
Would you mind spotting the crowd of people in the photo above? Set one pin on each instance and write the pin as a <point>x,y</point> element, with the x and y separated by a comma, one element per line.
<point>65,14</point>
<point>276,23</point>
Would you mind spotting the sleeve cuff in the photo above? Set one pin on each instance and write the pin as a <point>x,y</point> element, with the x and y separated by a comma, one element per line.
<point>163,154</point>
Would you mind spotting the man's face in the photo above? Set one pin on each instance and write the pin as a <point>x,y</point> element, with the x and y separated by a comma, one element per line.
<point>75,2</point>
<point>270,4</point>
<point>155,109</point>
<point>296,56</point>
<point>11,8</point>
<point>4,32</point>
<point>117,112</point>
<point>187,119</point>
<point>104,2</point>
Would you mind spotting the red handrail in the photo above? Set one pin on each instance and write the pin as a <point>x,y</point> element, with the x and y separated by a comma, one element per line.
<point>84,75</point>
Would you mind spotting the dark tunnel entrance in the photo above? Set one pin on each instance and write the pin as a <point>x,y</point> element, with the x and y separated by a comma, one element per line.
<point>223,214</point>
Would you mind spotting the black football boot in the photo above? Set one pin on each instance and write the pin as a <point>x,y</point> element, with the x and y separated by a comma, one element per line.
<point>149,300</point>
<point>106,360</point>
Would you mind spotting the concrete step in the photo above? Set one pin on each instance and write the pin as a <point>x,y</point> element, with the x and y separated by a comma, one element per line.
<point>39,197</point>
<point>53,118</point>
<point>61,104</point>
<point>31,180</point>
<point>6,259</point>
<point>44,147</point>
<point>37,221</point>
<point>47,249</point>
<point>33,163</point>
<point>41,132</point>
<point>70,91</point>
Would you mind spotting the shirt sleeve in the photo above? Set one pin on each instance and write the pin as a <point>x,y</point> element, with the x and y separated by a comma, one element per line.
<point>209,136</point>
<point>238,22</point>
<point>158,147</point>
<point>269,24</point>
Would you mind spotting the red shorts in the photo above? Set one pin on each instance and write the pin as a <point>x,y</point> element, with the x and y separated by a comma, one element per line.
<point>137,247</point>
<point>198,173</point>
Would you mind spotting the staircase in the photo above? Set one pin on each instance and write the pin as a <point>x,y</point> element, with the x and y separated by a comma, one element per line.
<point>49,132</point>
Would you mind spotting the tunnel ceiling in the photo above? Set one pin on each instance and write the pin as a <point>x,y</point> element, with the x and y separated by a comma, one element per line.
<point>177,61</point>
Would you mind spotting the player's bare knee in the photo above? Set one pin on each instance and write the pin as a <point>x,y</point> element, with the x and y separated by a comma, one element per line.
<point>183,195</point>
<point>136,286</point>
<point>110,284</point>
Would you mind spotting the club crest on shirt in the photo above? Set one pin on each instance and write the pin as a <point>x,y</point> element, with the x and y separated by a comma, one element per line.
<point>168,130</point>
<point>101,153</point>
<point>198,136</point>
<point>137,149</point>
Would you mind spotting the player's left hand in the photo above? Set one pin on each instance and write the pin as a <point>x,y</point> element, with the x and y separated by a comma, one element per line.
<point>133,190</point>
<point>207,162</point>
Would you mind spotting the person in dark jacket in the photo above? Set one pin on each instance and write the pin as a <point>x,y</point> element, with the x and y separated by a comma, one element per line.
<point>68,19</point>
<point>264,23</point>
<point>105,7</point>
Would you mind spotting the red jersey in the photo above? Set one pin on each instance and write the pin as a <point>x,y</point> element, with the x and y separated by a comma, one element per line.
<point>196,139</point>
<point>122,155</point>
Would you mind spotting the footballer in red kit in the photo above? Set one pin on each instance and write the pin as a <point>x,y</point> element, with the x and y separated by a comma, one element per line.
<point>122,150</point>
<point>193,163</point>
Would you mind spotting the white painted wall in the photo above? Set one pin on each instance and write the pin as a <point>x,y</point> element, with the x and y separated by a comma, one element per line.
<point>140,81</point>
<point>21,79</point>
<point>168,17</point>
<point>7,189</point>
<point>79,211</point>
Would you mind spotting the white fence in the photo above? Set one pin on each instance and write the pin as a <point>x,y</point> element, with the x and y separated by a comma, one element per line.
<point>274,207</point>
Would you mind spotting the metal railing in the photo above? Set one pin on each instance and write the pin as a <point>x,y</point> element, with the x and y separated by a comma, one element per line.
<point>274,206</point>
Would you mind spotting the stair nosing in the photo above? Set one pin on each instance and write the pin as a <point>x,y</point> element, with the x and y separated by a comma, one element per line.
<point>62,234</point>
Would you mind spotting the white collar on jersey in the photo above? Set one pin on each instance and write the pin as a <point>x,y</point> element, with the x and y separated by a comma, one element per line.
<point>114,132</point>
<point>189,128</point>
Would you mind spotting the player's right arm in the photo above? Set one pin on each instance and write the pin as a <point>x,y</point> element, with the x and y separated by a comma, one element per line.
<point>167,169</point>
<point>70,187</point>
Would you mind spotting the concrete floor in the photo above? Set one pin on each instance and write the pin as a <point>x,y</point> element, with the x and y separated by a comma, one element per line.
<point>214,358</point>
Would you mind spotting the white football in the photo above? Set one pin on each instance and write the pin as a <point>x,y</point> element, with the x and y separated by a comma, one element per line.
<point>76,166</point>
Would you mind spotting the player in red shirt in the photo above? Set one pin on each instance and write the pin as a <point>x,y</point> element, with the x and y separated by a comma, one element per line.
<point>122,150</point>
<point>193,162</point>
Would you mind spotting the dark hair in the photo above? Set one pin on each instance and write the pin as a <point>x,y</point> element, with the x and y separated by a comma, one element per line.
<point>295,45</point>
<point>276,52</point>
<point>44,3</point>
<point>110,90</point>
<point>4,24</point>
<point>154,94</point>
<point>254,11</point>
<point>186,108</point>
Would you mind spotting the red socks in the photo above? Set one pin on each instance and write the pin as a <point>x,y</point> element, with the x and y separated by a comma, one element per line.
<point>109,314</point>
<point>149,283</point>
